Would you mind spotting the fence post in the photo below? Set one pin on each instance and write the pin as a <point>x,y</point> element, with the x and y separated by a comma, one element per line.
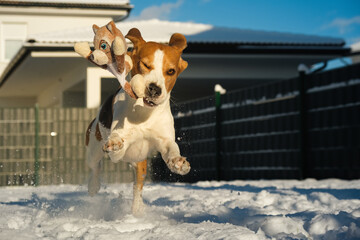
<point>37,143</point>
<point>304,170</point>
<point>218,92</point>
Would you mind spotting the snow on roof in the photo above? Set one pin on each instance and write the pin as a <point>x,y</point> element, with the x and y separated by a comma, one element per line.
<point>355,47</point>
<point>160,31</point>
<point>151,30</point>
<point>257,37</point>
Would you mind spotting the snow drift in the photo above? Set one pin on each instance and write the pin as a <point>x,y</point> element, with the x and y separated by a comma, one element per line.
<point>289,209</point>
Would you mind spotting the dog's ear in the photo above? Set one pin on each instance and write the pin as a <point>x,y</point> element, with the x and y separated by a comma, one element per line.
<point>178,41</point>
<point>182,65</point>
<point>135,37</point>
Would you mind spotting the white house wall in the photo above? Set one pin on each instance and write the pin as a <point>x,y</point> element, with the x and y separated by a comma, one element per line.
<point>91,91</point>
<point>41,20</point>
<point>93,86</point>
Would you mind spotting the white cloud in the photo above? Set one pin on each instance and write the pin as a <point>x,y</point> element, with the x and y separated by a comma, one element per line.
<point>162,12</point>
<point>344,24</point>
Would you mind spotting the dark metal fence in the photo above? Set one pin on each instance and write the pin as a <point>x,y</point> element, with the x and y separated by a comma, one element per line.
<point>303,127</point>
<point>333,120</point>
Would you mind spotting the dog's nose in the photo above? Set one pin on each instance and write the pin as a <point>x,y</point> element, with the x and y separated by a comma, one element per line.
<point>154,90</point>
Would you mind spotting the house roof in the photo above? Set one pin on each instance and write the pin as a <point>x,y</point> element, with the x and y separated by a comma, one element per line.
<point>256,37</point>
<point>160,31</point>
<point>95,4</point>
<point>151,30</point>
<point>205,38</point>
<point>202,38</point>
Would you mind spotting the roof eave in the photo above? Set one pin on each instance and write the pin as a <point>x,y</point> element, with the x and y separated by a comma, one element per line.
<point>236,48</point>
<point>15,61</point>
<point>24,51</point>
<point>127,7</point>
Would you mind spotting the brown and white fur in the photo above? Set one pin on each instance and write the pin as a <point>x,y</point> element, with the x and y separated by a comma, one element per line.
<point>130,133</point>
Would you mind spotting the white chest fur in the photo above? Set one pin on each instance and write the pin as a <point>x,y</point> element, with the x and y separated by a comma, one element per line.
<point>143,130</point>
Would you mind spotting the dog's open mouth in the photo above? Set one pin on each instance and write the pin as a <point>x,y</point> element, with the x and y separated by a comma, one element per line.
<point>149,103</point>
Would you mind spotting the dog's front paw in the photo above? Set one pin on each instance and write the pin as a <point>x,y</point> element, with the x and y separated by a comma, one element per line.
<point>179,165</point>
<point>113,144</point>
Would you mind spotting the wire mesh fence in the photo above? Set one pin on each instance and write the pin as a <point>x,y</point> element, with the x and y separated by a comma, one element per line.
<point>61,148</point>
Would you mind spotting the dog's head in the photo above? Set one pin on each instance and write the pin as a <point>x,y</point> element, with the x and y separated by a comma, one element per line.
<point>159,64</point>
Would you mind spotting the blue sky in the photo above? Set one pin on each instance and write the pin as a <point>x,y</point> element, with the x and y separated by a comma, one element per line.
<point>340,18</point>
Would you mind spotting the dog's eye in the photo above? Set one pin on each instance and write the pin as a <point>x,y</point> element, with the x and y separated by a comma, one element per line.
<point>103,46</point>
<point>171,72</point>
<point>146,66</point>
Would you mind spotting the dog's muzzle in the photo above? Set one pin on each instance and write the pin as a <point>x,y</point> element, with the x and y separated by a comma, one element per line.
<point>153,91</point>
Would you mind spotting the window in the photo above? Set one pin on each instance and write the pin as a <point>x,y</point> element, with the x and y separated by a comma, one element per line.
<point>12,38</point>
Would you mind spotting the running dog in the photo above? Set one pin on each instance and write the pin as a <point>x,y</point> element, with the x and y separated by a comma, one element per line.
<point>131,132</point>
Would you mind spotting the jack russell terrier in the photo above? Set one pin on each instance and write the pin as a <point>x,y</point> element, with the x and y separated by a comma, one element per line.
<point>130,132</point>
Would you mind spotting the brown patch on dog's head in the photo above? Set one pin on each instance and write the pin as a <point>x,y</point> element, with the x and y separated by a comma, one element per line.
<point>135,37</point>
<point>173,63</point>
<point>144,52</point>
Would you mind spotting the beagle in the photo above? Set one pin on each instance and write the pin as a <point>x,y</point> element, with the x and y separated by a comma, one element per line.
<point>130,132</point>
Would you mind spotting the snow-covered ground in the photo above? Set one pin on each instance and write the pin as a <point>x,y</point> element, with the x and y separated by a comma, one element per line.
<point>310,209</point>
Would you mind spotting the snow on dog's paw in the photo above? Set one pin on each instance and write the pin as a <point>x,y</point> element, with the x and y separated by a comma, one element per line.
<point>138,209</point>
<point>113,144</point>
<point>179,165</point>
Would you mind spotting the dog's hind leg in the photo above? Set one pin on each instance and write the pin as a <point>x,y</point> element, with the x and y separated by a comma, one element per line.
<point>94,155</point>
<point>140,175</point>
<point>94,180</point>
<point>94,163</point>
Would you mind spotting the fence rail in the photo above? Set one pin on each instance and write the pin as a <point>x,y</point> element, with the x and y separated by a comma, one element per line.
<point>302,127</point>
